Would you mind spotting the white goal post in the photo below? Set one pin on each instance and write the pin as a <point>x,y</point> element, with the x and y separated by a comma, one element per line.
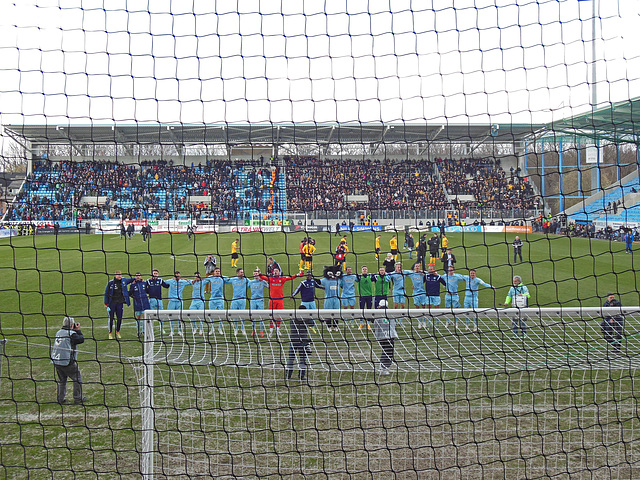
<point>218,403</point>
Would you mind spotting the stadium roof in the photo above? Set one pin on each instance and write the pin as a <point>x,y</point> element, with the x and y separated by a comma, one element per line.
<point>618,122</point>
<point>272,134</point>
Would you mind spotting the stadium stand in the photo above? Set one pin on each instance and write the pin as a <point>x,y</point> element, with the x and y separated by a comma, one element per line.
<point>161,190</point>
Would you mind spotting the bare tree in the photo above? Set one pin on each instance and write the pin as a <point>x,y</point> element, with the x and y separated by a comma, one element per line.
<point>14,159</point>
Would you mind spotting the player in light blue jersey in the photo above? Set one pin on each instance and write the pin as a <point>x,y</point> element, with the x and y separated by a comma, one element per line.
<point>419,292</point>
<point>256,287</point>
<point>176,287</point>
<point>471,294</point>
<point>331,299</point>
<point>239,300</point>
<point>399,291</point>
<point>451,297</point>
<point>348,294</point>
<point>197,300</point>
<point>216,300</point>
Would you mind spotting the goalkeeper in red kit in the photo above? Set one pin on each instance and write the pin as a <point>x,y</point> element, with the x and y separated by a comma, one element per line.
<point>276,296</point>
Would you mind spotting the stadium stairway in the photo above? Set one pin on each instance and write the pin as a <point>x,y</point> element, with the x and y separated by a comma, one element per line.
<point>596,206</point>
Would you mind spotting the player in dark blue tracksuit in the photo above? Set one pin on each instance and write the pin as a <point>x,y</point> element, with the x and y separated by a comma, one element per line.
<point>138,291</point>
<point>154,291</point>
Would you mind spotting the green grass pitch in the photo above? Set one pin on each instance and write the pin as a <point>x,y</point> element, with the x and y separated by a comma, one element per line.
<point>44,278</point>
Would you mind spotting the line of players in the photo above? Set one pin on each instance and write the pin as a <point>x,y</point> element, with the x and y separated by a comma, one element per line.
<point>339,292</point>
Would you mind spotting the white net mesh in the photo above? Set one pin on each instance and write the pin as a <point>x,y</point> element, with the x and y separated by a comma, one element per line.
<point>467,402</point>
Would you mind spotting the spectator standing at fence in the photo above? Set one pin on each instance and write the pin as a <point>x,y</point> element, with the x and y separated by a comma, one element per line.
<point>64,357</point>
<point>517,249</point>
<point>612,326</point>
<point>116,294</point>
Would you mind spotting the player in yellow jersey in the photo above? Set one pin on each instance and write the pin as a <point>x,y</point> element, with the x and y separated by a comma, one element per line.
<point>309,249</point>
<point>393,245</point>
<point>444,244</point>
<point>378,249</point>
<point>235,249</point>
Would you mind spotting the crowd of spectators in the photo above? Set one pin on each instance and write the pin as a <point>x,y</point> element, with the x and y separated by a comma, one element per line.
<point>388,185</point>
<point>227,190</point>
<point>154,190</point>
<point>488,183</point>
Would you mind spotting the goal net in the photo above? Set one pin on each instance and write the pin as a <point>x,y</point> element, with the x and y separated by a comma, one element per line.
<point>464,395</point>
<point>480,142</point>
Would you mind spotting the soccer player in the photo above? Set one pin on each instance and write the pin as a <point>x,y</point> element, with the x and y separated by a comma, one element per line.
<point>519,293</point>
<point>419,292</point>
<point>154,289</point>
<point>434,248</point>
<point>381,289</point>
<point>138,290</point>
<point>308,250</point>
<point>256,287</point>
<point>348,286</point>
<point>176,287</point>
<point>471,294</point>
<point>276,296</point>
<point>451,298</point>
<point>216,300</point>
<point>235,250</point>
<point>307,290</point>
<point>432,283</point>
<point>239,299</point>
<point>365,290</point>
<point>399,292</point>
<point>378,249</point>
<point>116,295</point>
<point>444,243</point>
<point>393,246</point>
<point>331,287</point>
<point>197,300</point>
<point>303,255</point>
<point>340,256</point>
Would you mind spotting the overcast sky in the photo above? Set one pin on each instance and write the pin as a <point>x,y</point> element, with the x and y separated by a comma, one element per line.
<point>195,61</point>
